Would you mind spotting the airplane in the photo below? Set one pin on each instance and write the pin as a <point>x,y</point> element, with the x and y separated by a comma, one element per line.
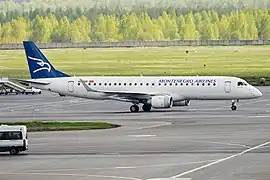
<point>157,92</point>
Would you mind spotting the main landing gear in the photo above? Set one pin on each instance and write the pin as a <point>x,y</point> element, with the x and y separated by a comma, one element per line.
<point>145,107</point>
<point>134,108</point>
<point>234,107</point>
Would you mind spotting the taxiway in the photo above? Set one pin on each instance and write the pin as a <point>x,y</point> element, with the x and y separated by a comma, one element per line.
<point>205,140</point>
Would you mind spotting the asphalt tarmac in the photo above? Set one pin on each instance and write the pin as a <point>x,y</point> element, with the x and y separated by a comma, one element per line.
<point>204,141</point>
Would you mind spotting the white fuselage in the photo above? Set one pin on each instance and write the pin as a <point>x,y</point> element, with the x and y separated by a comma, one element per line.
<point>178,87</point>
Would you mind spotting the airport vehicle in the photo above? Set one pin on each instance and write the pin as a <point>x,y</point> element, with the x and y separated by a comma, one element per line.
<point>32,90</point>
<point>151,91</point>
<point>13,139</point>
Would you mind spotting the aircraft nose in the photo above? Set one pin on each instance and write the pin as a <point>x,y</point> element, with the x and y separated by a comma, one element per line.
<point>257,92</point>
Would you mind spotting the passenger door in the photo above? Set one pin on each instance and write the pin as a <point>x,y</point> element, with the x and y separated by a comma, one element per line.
<point>70,86</point>
<point>227,86</point>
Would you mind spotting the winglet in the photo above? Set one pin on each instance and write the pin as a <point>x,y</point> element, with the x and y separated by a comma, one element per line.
<point>87,87</point>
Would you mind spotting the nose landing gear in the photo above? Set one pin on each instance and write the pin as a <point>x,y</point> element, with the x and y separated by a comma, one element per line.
<point>234,107</point>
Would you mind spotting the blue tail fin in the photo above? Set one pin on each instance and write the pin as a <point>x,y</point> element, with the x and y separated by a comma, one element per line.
<point>39,66</point>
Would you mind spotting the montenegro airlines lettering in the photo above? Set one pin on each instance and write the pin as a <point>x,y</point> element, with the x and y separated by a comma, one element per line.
<point>42,64</point>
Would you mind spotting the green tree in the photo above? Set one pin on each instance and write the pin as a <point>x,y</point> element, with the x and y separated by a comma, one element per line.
<point>112,28</point>
<point>7,33</point>
<point>190,32</point>
<point>130,27</point>
<point>198,23</point>
<point>169,26</point>
<point>234,26</point>
<point>41,30</point>
<point>181,26</point>
<point>252,29</point>
<point>243,26</point>
<point>224,28</point>
<point>20,29</point>
<point>100,29</point>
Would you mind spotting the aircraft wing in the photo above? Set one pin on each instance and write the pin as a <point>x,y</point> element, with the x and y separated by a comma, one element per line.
<point>32,81</point>
<point>123,94</point>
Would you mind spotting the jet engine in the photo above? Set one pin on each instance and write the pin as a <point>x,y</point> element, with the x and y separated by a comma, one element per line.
<point>162,101</point>
<point>182,103</point>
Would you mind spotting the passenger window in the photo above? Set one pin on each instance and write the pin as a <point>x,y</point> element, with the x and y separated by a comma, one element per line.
<point>4,136</point>
<point>15,135</point>
<point>130,84</point>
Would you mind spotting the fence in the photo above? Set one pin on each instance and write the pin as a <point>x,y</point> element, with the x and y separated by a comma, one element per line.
<point>141,44</point>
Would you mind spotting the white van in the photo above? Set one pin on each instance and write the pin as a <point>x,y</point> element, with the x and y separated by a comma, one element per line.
<point>13,139</point>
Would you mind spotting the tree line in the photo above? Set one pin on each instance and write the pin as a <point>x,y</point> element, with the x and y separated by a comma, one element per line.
<point>205,25</point>
<point>26,5</point>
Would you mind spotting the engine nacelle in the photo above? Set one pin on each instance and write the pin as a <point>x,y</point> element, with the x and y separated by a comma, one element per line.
<point>162,101</point>
<point>182,103</point>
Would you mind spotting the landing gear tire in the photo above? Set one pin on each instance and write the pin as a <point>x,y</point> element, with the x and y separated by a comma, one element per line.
<point>134,108</point>
<point>233,108</point>
<point>146,107</point>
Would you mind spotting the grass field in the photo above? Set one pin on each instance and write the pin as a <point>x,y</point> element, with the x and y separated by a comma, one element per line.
<point>33,126</point>
<point>249,62</point>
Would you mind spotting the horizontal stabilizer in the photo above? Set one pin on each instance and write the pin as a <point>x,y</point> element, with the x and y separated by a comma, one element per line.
<point>32,81</point>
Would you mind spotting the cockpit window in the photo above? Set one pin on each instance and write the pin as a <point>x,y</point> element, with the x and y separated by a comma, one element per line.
<point>241,83</point>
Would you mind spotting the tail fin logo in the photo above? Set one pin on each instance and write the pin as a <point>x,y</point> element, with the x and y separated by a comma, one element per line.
<point>42,64</point>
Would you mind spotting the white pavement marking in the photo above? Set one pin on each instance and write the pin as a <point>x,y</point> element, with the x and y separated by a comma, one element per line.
<point>169,179</point>
<point>78,175</point>
<point>142,135</point>
<point>126,167</point>
<point>220,160</point>
<point>153,126</point>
